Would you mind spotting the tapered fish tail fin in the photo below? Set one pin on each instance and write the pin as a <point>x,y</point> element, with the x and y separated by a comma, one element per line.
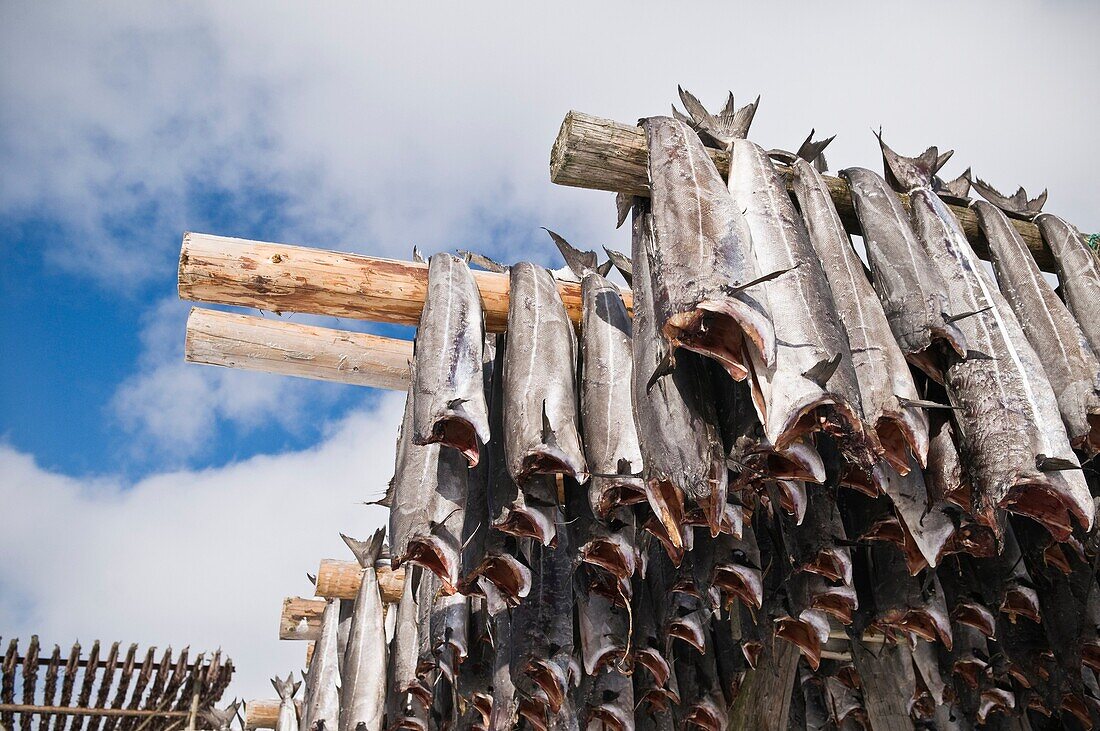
<point>958,189</point>
<point>813,151</point>
<point>579,262</point>
<point>723,128</point>
<point>417,256</point>
<point>366,552</point>
<point>906,173</point>
<point>482,261</point>
<point>1017,205</point>
<point>624,202</point>
<point>285,688</point>
<point>622,263</point>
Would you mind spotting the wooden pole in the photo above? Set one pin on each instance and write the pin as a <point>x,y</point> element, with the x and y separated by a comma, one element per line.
<point>591,152</point>
<point>301,618</point>
<point>341,579</point>
<point>264,713</point>
<point>283,278</point>
<point>289,349</point>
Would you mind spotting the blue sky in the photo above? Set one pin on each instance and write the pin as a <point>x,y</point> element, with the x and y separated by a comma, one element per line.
<point>371,127</point>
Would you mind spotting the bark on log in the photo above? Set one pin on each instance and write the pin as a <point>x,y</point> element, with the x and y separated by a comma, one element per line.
<point>341,579</point>
<point>764,701</point>
<point>264,713</point>
<point>289,349</point>
<point>283,278</point>
<point>601,154</point>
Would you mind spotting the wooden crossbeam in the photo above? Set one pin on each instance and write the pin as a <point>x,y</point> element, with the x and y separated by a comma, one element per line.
<point>341,579</point>
<point>301,618</point>
<point>602,154</point>
<point>264,713</point>
<point>289,349</point>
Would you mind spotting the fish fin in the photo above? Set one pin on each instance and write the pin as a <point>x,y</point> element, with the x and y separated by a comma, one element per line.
<point>604,269</point>
<point>664,368</point>
<point>578,261</point>
<point>312,579</point>
<point>823,370</point>
<point>621,262</point>
<point>957,188</point>
<point>977,355</point>
<point>905,173</point>
<point>417,256</point>
<point>1044,463</point>
<point>813,152</point>
<point>963,316</point>
<point>366,552</point>
<point>386,500</point>
<point>548,435</point>
<point>456,402</point>
<point>623,203</point>
<point>482,261</point>
<point>921,403</point>
<point>732,290</point>
<point>728,125</point>
<point>1017,204</point>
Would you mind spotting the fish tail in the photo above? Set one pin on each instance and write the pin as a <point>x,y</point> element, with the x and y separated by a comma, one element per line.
<point>285,688</point>
<point>906,173</point>
<point>366,552</point>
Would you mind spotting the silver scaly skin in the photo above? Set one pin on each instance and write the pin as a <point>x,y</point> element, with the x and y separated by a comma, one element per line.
<point>363,675</point>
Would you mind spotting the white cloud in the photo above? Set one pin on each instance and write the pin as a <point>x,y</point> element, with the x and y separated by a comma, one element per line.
<point>191,557</point>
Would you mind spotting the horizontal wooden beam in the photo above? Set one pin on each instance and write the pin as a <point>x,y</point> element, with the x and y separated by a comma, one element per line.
<point>341,579</point>
<point>80,711</point>
<point>284,278</point>
<point>301,618</point>
<point>264,713</point>
<point>591,152</point>
<point>289,349</point>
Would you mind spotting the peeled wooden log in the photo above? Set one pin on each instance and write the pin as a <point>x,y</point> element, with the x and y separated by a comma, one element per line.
<point>284,278</point>
<point>341,579</point>
<point>289,349</point>
<point>591,152</point>
<point>264,713</point>
<point>301,618</point>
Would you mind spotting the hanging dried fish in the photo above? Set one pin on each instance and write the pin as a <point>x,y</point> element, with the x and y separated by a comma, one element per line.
<point>1078,273</point>
<point>541,434</point>
<point>288,713</point>
<point>404,691</point>
<point>450,404</point>
<point>702,269</point>
<point>321,705</point>
<point>908,285</point>
<point>887,392</point>
<point>1070,364</point>
<point>682,452</point>
<point>363,674</point>
<point>1007,412</point>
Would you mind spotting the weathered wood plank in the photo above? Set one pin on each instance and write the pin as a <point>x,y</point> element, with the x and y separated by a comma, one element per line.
<point>602,154</point>
<point>284,278</point>
<point>289,349</point>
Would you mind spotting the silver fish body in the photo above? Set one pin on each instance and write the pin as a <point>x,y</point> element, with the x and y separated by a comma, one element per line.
<point>808,333</point>
<point>908,285</point>
<point>363,675</point>
<point>1007,413</point>
<point>288,712</point>
<point>322,706</point>
<point>541,434</point>
<point>610,436</point>
<point>403,689</point>
<point>702,255</point>
<point>682,452</point>
<point>449,383</point>
<point>881,370</point>
<point>1078,273</point>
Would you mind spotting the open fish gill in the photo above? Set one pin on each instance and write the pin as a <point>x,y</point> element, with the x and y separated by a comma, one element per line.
<point>813,376</point>
<point>1078,273</point>
<point>450,406</point>
<point>1069,362</point>
<point>702,265</point>
<point>881,369</point>
<point>1005,437</point>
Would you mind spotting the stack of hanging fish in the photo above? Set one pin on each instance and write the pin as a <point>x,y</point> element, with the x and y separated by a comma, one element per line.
<point>786,490</point>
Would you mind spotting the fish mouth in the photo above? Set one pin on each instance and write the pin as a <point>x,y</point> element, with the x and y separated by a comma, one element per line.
<point>528,521</point>
<point>612,717</point>
<point>705,714</point>
<point>834,564</point>
<point>551,679</point>
<point>890,529</point>
<point>900,435</point>
<point>752,650</point>
<point>928,624</point>
<point>546,460</point>
<point>970,669</point>
<point>975,615</point>
<point>689,628</point>
<point>611,554</point>
<point>793,499</point>
<point>653,661</point>
<point>837,601</point>
<point>437,555</point>
<point>667,503</point>
<point>798,461</point>
<point>859,479</point>
<point>740,581</point>
<point>721,329</point>
<point>994,699</point>
<point>454,429</point>
<point>534,712</point>
<point>506,573</point>
<point>1021,601</point>
<point>1044,503</point>
<point>610,493</point>
<point>808,633</point>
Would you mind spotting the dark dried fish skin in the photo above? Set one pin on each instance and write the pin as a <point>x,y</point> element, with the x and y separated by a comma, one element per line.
<point>908,285</point>
<point>541,434</point>
<point>789,397</point>
<point>880,367</point>
<point>682,452</point>
<point>1071,366</point>
<point>701,253</point>
<point>449,384</point>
